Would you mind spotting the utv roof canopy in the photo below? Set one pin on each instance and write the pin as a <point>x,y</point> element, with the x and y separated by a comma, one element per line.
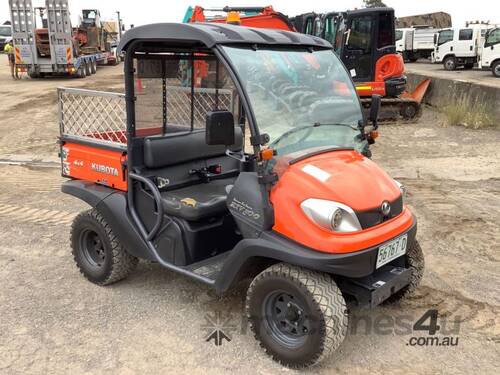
<point>210,34</point>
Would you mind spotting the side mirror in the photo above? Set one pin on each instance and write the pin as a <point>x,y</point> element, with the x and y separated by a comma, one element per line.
<point>435,39</point>
<point>374,110</point>
<point>219,128</point>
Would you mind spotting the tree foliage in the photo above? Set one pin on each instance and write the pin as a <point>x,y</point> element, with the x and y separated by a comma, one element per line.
<point>374,3</point>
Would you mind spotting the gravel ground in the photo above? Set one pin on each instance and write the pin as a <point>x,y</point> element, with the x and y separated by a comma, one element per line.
<point>53,321</point>
<point>478,76</point>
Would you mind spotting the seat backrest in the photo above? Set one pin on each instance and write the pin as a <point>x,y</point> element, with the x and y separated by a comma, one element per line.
<point>177,148</point>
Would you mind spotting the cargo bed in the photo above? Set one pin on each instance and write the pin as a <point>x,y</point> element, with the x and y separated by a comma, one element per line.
<point>93,135</point>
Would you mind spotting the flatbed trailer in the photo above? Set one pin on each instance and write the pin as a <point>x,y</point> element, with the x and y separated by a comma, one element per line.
<point>64,58</point>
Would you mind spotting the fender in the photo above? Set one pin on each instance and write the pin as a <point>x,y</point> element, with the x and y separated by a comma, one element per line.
<point>112,205</point>
<point>250,256</point>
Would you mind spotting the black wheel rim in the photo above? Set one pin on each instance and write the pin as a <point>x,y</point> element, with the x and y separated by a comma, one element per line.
<point>286,319</point>
<point>409,111</point>
<point>92,248</point>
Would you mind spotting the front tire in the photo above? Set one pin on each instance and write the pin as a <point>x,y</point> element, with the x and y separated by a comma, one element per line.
<point>299,316</point>
<point>415,262</point>
<point>495,69</point>
<point>97,252</point>
<point>450,63</point>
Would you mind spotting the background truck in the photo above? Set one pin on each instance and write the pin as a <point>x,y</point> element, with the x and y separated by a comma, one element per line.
<point>490,53</point>
<point>5,36</point>
<point>459,47</point>
<point>57,48</point>
<point>416,42</point>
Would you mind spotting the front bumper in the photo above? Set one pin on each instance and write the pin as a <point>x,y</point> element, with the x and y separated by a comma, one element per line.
<point>374,289</point>
<point>355,264</point>
<point>271,245</point>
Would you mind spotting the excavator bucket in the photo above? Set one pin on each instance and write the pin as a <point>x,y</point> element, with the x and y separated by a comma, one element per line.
<point>418,94</point>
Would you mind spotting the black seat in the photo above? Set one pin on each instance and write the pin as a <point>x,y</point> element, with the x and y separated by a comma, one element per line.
<point>198,201</point>
<point>174,156</point>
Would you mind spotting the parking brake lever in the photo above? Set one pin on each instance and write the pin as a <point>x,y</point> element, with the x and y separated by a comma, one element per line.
<point>206,173</point>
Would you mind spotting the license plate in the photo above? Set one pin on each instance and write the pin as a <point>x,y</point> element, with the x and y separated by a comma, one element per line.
<point>392,250</point>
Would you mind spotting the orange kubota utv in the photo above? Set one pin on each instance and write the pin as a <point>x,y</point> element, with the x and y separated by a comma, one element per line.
<point>260,174</point>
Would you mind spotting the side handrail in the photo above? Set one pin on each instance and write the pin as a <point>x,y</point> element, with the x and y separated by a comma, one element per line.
<point>157,197</point>
<point>156,228</point>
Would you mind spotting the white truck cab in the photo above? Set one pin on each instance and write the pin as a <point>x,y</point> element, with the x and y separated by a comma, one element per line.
<point>490,54</point>
<point>5,36</point>
<point>459,46</point>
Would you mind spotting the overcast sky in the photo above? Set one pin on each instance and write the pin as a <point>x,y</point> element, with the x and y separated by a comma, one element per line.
<point>140,12</point>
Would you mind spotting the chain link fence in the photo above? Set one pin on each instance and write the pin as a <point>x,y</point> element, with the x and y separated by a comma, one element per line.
<point>85,114</point>
<point>205,100</point>
<point>93,114</point>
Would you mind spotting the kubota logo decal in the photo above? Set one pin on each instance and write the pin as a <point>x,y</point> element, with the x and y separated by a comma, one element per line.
<point>104,169</point>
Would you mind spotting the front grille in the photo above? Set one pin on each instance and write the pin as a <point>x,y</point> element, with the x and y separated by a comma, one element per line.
<point>374,217</point>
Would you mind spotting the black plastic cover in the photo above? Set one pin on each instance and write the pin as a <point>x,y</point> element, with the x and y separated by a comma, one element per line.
<point>219,128</point>
<point>175,148</point>
<point>248,202</point>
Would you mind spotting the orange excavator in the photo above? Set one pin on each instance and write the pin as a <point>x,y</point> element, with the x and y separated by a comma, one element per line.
<point>364,40</point>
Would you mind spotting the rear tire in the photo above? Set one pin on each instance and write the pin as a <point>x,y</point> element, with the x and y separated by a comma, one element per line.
<point>450,63</point>
<point>415,262</point>
<point>495,69</point>
<point>88,69</point>
<point>413,57</point>
<point>97,252</point>
<point>82,71</point>
<point>299,316</point>
<point>93,67</point>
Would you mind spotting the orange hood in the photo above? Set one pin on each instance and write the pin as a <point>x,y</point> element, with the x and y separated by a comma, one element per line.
<point>344,176</point>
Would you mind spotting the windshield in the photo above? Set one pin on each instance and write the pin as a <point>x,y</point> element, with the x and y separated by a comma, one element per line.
<point>399,34</point>
<point>5,31</point>
<point>303,100</point>
<point>493,37</point>
<point>445,36</point>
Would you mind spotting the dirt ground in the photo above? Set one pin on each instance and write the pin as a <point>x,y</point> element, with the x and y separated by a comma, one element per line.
<point>53,321</point>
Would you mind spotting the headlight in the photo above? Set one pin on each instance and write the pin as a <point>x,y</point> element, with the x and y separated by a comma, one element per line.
<point>402,189</point>
<point>331,215</point>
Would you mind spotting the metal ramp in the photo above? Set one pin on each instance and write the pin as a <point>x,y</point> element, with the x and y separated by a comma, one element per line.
<point>23,26</point>
<point>60,31</point>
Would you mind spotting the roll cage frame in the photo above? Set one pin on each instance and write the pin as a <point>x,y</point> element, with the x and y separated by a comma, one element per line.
<point>256,138</point>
